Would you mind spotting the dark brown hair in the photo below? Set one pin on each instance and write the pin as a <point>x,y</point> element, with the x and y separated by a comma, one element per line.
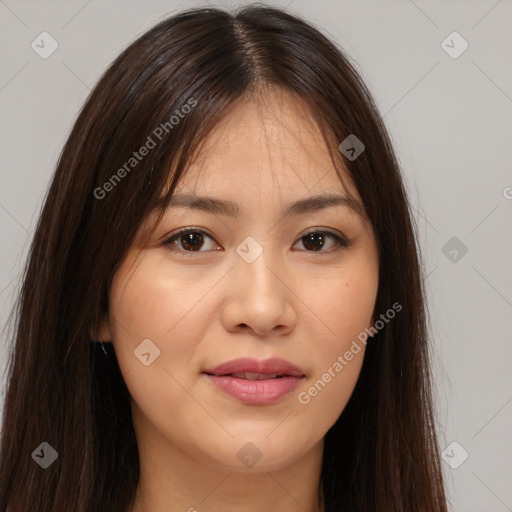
<point>381,454</point>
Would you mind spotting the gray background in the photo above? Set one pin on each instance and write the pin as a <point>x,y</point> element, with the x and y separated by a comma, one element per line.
<point>450,122</point>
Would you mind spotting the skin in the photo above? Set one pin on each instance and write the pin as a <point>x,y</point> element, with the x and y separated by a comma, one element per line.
<point>203,308</point>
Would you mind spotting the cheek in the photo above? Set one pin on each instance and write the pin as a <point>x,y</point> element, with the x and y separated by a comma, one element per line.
<point>344,306</point>
<point>148,301</point>
<point>327,394</point>
<point>169,309</point>
<point>337,358</point>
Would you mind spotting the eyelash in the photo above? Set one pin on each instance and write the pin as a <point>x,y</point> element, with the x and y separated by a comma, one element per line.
<point>340,241</point>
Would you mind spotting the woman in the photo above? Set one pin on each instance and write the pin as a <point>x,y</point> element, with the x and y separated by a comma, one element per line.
<point>223,305</point>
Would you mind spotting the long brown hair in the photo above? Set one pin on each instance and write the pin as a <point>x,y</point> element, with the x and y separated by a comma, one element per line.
<point>382,453</point>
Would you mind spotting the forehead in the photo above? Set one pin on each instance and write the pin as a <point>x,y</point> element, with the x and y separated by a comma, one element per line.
<point>261,144</point>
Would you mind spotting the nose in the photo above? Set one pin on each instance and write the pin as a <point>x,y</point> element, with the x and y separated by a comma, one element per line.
<point>258,298</point>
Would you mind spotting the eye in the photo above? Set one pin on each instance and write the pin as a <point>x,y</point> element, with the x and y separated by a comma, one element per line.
<point>196,240</point>
<point>190,240</point>
<point>316,241</point>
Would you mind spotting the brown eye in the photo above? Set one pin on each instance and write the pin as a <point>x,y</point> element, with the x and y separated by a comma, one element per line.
<point>191,240</point>
<point>316,241</point>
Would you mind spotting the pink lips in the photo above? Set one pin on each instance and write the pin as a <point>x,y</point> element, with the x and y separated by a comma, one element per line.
<point>256,382</point>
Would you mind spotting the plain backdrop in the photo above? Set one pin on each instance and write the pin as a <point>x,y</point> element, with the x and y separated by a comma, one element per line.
<point>449,116</point>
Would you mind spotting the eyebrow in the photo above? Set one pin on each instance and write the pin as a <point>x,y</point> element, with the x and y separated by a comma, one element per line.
<point>231,209</point>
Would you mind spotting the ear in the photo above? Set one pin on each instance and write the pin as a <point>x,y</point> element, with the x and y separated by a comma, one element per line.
<point>102,332</point>
<point>373,320</point>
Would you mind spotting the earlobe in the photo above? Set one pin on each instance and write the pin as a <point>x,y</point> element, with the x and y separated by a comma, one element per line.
<point>373,320</point>
<point>102,333</point>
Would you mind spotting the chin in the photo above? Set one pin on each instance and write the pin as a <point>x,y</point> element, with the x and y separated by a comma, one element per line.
<point>257,455</point>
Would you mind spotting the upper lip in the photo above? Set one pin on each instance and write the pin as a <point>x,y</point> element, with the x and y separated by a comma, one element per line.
<point>250,365</point>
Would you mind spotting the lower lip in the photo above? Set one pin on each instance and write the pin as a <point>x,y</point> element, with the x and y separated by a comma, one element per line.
<point>256,392</point>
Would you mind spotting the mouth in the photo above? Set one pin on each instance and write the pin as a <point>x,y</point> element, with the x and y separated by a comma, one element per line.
<point>256,382</point>
<point>254,369</point>
<point>252,375</point>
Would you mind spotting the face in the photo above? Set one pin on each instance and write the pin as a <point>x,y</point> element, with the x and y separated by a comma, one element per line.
<point>234,338</point>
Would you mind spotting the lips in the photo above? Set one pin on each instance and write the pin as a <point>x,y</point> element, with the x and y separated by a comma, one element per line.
<point>255,376</point>
<point>253,369</point>
<point>256,382</point>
